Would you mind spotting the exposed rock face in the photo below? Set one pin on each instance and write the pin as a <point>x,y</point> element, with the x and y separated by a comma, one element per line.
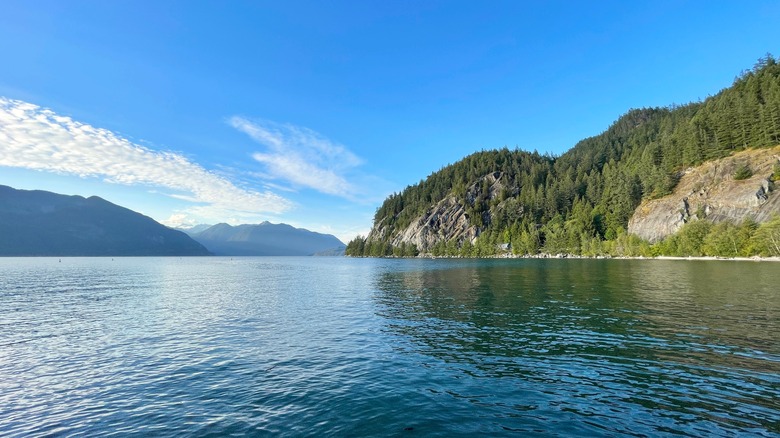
<point>448,220</point>
<point>710,192</point>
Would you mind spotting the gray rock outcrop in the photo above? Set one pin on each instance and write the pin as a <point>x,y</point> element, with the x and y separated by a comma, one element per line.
<point>448,220</point>
<point>710,192</point>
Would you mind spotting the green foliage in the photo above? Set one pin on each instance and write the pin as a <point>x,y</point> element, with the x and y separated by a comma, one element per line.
<point>690,238</point>
<point>467,250</point>
<point>766,240</point>
<point>356,247</point>
<point>723,239</point>
<point>696,238</point>
<point>362,247</point>
<point>701,212</point>
<point>527,242</point>
<point>743,172</point>
<point>555,239</point>
<point>728,240</point>
<point>580,202</point>
<point>630,245</point>
<point>776,172</point>
<point>405,250</point>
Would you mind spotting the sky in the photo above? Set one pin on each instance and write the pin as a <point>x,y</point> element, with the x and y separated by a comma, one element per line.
<point>311,112</point>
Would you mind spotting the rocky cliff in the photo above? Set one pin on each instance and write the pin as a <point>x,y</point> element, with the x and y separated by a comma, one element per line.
<point>712,192</point>
<point>448,220</point>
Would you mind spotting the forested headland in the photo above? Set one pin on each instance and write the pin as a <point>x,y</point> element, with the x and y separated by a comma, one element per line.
<point>525,203</point>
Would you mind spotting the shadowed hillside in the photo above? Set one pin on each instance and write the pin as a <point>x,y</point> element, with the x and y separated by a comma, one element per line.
<point>39,223</point>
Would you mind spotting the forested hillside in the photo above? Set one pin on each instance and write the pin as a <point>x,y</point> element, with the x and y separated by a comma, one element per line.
<point>581,201</point>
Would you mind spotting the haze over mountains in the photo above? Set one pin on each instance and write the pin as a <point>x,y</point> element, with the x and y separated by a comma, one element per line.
<point>40,223</point>
<point>266,239</point>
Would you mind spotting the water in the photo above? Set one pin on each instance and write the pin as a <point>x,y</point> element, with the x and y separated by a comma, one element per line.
<point>345,347</point>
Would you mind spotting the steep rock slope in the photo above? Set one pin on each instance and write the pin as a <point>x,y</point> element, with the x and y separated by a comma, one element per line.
<point>447,220</point>
<point>711,192</point>
<point>39,223</point>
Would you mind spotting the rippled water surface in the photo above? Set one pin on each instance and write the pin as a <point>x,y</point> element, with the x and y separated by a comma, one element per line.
<point>343,347</point>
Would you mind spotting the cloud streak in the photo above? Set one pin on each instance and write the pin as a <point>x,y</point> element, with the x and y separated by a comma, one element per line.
<point>301,156</point>
<point>36,138</point>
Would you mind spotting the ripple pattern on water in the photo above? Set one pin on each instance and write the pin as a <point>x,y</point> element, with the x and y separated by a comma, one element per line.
<point>342,347</point>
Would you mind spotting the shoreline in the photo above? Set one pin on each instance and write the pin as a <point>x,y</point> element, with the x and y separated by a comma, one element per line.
<point>705,258</point>
<point>572,256</point>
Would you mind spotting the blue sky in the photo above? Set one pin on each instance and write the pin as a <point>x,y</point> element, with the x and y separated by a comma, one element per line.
<point>310,113</point>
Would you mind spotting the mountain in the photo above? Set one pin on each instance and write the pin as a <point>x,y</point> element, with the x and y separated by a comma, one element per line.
<point>195,229</point>
<point>267,239</point>
<point>39,223</point>
<point>581,202</point>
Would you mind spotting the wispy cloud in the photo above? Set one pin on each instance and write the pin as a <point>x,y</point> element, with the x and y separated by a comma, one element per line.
<point>36,138</point>
<point>301,157</point>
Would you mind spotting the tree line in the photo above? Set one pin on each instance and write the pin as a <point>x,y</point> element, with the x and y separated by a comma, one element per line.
<point>696,238</point>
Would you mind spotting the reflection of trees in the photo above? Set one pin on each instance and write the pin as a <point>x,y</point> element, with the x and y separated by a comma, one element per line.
<point>687,342</point>
<point>479,311</point>
<point>712,313</point>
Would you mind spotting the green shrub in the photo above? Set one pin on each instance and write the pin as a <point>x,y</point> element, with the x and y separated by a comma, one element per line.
<point>743,172</point>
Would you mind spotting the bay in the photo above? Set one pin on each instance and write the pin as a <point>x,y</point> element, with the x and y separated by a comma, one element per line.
<point>381,347</point>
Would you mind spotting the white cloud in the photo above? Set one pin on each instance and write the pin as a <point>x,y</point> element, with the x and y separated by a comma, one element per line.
<point>179,220</point>
<point>36,138</point>
<point>301,156</point>
<point>211,214</point>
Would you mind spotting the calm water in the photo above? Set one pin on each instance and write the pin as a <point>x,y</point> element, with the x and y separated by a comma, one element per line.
<point>343,347</point>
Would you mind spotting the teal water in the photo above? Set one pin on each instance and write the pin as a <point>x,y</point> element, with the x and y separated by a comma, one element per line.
<point>371,347</point>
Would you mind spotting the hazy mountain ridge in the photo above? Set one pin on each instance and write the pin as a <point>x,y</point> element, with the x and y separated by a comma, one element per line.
<point>40,223</point>
<point>267,239</point>
<point>190,230</point>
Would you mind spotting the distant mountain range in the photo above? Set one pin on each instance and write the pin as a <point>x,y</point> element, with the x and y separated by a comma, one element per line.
<point>195,229</point>
<point>39,223</point>
<point>266,239</point>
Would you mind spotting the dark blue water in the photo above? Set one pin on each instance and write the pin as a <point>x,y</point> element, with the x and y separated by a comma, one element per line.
<point>345,347</point>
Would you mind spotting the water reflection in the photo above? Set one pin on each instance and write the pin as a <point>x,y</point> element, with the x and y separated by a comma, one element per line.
<point>366,347</point>
<point>728,307</point>
<point>696,343</point>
